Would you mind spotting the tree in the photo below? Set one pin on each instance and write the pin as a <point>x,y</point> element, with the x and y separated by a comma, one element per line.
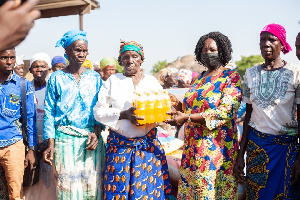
<point>158,66</point>
<point>247,62</point>
<point>119,68</point>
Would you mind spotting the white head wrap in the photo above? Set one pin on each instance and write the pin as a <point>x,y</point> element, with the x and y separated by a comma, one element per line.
<point>97,65</point>
<point>167,71</point>
<point>41,56</point>
<point>19,60</point>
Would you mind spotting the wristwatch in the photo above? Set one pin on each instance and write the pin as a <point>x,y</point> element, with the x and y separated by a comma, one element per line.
<point>32,148</point>
<point>189,119</point>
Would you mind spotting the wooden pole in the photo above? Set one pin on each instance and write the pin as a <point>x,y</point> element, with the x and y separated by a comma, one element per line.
<point>81,21</point>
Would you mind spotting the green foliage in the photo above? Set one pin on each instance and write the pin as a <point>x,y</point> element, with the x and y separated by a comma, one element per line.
<point>158,66</point>
<point>119,68</point>
<point>247,62</point>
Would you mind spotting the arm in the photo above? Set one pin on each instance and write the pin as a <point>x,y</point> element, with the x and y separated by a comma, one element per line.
<point>130,115</point>
<point>295,169</point>
<point>215,117</point>
<point>240,164</point>
<point>104,113</point>
<point>229,105</point>
<point>179,118</point>
<point>92,140</point>
<point>176,104</point>
<point>49,121</point>
<point>16,21</point>
<point>32,137</point>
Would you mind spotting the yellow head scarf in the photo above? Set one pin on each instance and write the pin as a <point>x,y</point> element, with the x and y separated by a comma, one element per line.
<point>87,64</point>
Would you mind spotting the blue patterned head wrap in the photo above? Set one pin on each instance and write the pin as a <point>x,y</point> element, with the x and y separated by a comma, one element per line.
<point>70,37</point>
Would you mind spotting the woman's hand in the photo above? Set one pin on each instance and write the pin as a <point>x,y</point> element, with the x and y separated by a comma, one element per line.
<point>175,103</point>
<point>178,118</point>
<point>239,168</point>
<point>49,152</point>
<point>295,172</point>
<point>130,115</point>
<point>92,142</point>
<point>174,100</point>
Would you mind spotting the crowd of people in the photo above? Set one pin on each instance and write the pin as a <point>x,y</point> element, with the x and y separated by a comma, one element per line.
<point>69,103</point>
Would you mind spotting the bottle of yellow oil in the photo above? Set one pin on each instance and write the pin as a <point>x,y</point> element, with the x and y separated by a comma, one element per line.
<point>158,106</point>
<point>150,118</point>
<point>140,107</point>
<point>166,105</point>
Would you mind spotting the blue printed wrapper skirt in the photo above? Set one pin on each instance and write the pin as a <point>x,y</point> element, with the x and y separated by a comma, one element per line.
<point>269,161</point>
<point>135,168</point>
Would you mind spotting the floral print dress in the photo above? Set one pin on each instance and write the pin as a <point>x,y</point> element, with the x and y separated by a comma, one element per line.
<point>210,149</point>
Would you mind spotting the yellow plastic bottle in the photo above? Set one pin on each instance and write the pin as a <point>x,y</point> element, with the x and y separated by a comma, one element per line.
<point>141,108</point>
<point>150,108</point>
<point>166,105</point>
<point>134,99</point>
<point>158,107</point>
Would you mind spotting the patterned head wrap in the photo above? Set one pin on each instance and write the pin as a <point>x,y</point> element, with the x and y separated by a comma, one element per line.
<point>107,61</point>
<point>87,64</point>
<point>19,60</point>
<point>41,56</point>
<point>280,33</point>
<point>167,71</point>
<point>58,59</point>
<point>185,75</point>
<point>131,46</point>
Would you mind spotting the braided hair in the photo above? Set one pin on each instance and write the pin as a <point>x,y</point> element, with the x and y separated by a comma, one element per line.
<point>223,44</point>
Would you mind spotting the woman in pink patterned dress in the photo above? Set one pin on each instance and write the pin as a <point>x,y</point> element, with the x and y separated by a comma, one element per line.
<point>208,113</point>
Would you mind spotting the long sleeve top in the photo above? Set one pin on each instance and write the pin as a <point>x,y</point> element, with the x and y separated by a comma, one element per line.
<point>11,112</point>
<point>69,103</point>
<point>115,96</point>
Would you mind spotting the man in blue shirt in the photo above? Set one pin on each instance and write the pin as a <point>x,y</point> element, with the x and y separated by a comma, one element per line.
<point>12,149</point>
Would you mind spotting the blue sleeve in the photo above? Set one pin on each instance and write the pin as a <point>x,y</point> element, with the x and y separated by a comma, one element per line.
<point>50,112</point>
<point>32,136</point>
<point>242,110</point>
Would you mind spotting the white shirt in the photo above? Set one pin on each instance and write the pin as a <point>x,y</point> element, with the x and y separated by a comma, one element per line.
<point>115,96</point>
<point>274,96</point>
<point>39,95</point>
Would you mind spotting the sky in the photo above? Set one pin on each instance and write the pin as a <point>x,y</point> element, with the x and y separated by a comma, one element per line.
<point>168,29</point>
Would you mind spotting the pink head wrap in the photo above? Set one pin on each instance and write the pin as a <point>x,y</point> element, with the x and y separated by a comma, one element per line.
<point>280,33</point>
<point>194,74</point>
